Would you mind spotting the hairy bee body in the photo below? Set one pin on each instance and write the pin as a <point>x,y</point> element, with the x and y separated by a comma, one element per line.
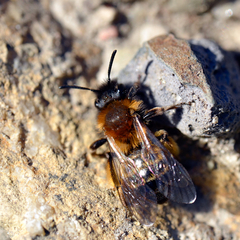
<point>144,169</point>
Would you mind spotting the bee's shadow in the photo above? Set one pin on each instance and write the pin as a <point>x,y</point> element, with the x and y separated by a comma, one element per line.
<point>194,158</point>
<point>145,93</point>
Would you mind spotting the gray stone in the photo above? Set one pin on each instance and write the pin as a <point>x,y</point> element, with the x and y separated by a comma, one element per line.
<point>196,71</point>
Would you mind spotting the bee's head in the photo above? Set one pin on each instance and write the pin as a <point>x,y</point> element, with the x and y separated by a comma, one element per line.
<point>108,92</point>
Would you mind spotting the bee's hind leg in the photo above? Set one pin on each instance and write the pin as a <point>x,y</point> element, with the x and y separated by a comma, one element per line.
<point>168,142</point>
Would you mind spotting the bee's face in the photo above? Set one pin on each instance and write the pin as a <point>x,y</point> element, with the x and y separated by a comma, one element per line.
<point>109,92</point>
<point>107,97</point>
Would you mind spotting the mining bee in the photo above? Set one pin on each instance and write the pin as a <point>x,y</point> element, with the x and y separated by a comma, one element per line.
<point>143,168</point>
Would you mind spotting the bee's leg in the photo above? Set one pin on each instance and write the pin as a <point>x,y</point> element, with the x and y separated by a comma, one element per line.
<point>168,142</point>
<point>95,145</point>
<point>134,89</point>
<point>162,135</point>
<point>160,110</point>
<point>115,180</point>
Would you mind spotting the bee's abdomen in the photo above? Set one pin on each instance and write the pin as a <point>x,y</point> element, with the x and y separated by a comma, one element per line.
<point>141,166</point>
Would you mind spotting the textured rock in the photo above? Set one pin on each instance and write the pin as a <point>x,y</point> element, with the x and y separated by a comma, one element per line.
<point>51,186</point>
<point>196,71</point>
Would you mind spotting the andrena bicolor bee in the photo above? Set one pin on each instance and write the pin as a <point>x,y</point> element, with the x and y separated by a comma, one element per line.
<point>143,168</point>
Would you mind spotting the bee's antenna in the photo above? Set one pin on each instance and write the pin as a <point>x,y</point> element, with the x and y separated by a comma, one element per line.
<point>110,65</point>
<point>77,87</point>
<point>93,90</point>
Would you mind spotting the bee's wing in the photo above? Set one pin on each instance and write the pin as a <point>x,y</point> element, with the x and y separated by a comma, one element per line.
<point>137,196</point>
<point>173,180</point>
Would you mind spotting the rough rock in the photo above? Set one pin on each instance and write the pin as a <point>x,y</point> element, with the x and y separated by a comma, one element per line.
<point>51,185</point>
<point>198,72</point>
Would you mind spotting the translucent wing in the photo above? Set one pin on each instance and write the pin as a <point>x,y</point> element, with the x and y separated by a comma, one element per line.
<point>136,195</point>
<point>172,179</point>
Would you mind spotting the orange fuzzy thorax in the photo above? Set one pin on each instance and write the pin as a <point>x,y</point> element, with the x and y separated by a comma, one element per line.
<point>115,120</point>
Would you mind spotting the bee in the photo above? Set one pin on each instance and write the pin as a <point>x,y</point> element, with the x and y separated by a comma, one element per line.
<point>143,168</point>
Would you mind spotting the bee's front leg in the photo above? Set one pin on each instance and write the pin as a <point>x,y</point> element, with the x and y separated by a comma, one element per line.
<point>97,144</point>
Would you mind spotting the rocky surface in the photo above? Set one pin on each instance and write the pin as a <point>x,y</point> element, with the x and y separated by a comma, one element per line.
<point>197,72</point>
<point>51,185</point>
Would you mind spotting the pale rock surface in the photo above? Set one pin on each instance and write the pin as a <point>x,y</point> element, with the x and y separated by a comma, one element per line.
<point>51,186</point>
